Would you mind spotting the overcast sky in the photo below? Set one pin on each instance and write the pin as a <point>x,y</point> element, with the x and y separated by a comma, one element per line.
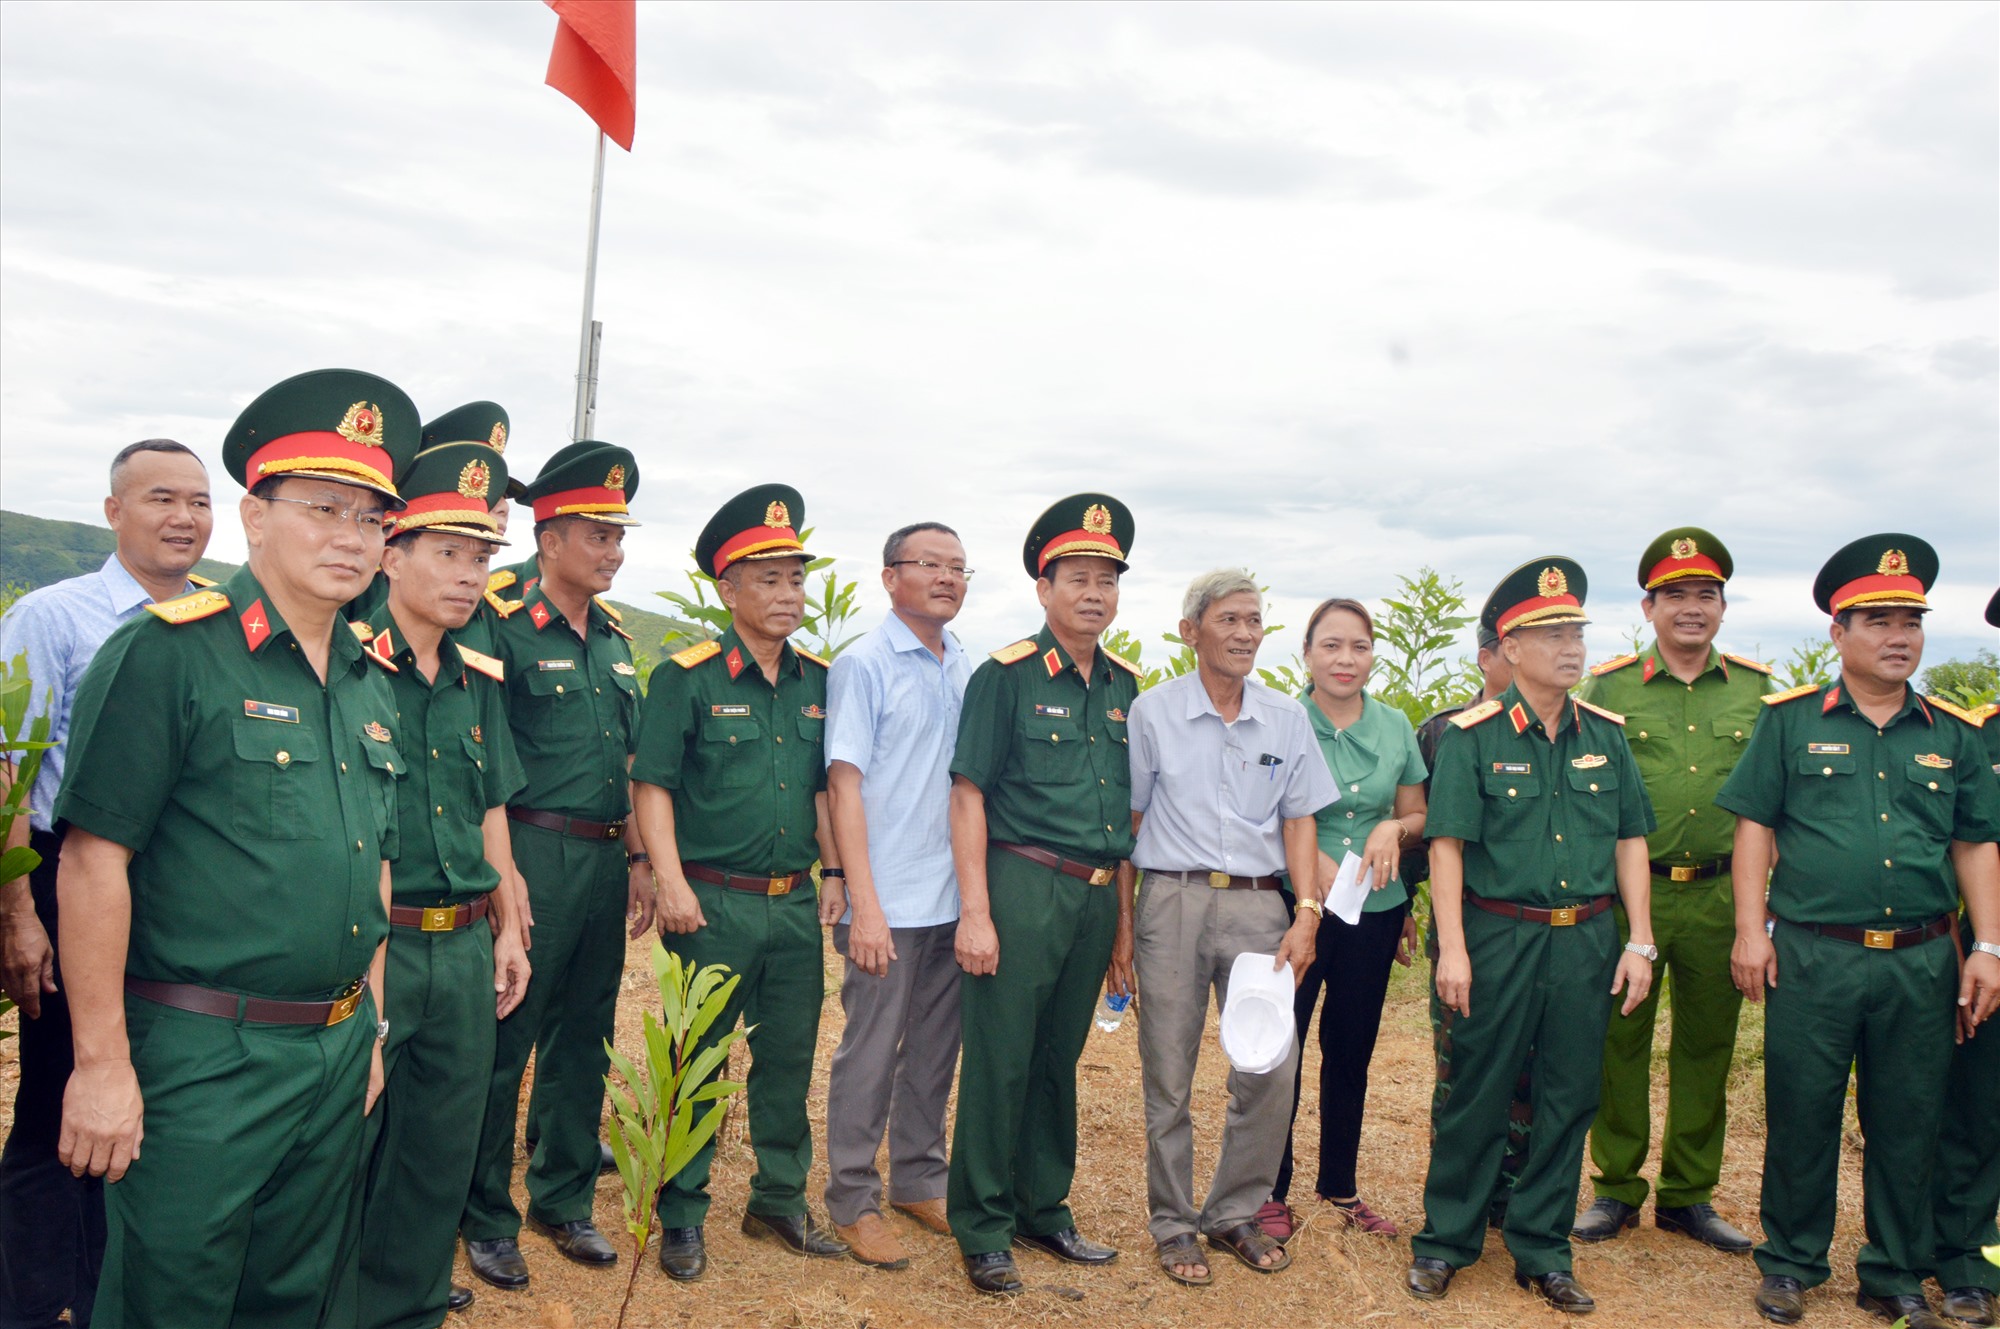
<point>1333,292</point>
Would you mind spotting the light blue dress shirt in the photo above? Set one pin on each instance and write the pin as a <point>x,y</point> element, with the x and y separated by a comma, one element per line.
<point>892,713</point>
<point>60,627</point>
<point>1216,794</point>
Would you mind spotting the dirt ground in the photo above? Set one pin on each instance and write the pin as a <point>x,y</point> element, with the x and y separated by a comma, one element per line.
<point>1646,1279</point>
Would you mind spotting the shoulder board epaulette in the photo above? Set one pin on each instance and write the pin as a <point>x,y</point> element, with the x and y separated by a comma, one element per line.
<point>362,632</point>
<point>621,632</point>
<point>1976,721</point>
<point>695,654</point>
<point>202,582</point>
<point>483,663</point>
<point>1014,654</point>
<point>1599,670</point>
<point>382,660</point>
<point>808,655</point>
<point>1473,715</point>
<point>1612,716</point>
<point>1747,662</point>
<point>609,612</point>
<point>500,580</point>
<point>1125,664</point>
<point>187,608</point>
<point>501,606</point>
<point>1988,711</point>
<point>1791,694</point>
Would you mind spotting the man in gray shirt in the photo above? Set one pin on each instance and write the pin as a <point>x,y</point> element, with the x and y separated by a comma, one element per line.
<point>1226,777</point>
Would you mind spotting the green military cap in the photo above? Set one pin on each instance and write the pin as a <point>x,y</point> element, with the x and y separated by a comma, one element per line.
<point>761,522</point>
<point>1686,553</point>
<point>330,424</point>
<point>1886,569</point>
<point>1093,524</point>
<point>476,421</point>
<point>1544,591</point>
<point>586,479</point>
<point>450,488</point>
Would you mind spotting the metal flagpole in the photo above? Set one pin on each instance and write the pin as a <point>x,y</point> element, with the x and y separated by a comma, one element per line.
<point>586,354</point>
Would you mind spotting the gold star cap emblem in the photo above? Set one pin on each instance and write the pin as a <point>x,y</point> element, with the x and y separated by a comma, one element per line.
<point>1097,519</point>
<point>615,479</point>
<point>777,515</point>
<point>1895,563</point>
<point>1685,548</point>
<point>1552,582</point>
<point>362,424</point>
<point>475,480</point>
<point>497,440</point>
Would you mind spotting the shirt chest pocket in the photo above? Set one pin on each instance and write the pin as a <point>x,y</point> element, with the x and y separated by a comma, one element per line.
<point>554,701</point>
<point>385,767</point>
<point>1825,784</point>
<point>737,749</point>
<point>1513,805</point>
<point>626,690</point>
<point>1730,735</point>
<point>1594,800</point>
<point>1931,793</point>
<point>471,781</point>
<point>1053,747</point>
<point>276,777</point>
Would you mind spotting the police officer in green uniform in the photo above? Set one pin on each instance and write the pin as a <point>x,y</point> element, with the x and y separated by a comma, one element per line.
<point>1965,1185</point>
<point>1688,710</point>
<point>1870,797</point>
<point>729,785</point>
<point>224,890</point>
<point>572,693</point>
<point>1041,835</point>
<point>1537,821</point>
<point>454,940</point>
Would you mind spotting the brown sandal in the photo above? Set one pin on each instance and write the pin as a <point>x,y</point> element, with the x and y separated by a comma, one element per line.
<point>1184,1250</point>
<point>1249,1243</point>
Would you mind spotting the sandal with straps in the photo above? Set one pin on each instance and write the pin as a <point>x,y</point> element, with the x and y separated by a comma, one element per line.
<point>1248,1243</point>
<point>1184,1250</point>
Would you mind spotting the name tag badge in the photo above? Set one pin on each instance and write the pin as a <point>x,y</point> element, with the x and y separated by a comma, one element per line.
<point>813,712</point>
<point>1513,768</point>
<point>270,710</point>
<point>1826,749</point>
<point>1590,761</point>
<point>1060,712</point>
<point>1934,761</point>
<point>620,667</point>
<point>555,664</point>
<point>729,710</point>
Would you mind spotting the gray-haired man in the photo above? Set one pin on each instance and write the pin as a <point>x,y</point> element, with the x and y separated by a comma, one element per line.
<point>1226,777</point>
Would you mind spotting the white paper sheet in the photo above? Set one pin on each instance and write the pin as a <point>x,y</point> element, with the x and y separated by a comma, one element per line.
<point>1351,886</point>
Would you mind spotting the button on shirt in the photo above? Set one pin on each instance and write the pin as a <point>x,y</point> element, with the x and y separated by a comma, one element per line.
<point>892,713</point>
<point>1370,760</point>
<point>1215,792</point>
<point>61,628</point>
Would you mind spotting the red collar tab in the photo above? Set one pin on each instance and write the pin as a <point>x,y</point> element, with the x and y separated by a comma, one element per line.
<point>1652,663</point>
<point>1052,662</point>
<point>1519,715</point>
<point>734,660</point>
<point>539,615</point>
<point>1830,700</point>
<point>256,625</point>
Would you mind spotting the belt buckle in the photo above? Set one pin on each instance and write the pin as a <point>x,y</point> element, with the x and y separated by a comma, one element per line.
<point>1101,876</point>
<point>344,1004</point>
<point>1219,880</point>
<point>615,831</point>
<point>1683,873</point>
<point>1877,939</point>
<point>439,918</point>
<point>1562,918</point>
<point>778,886</point>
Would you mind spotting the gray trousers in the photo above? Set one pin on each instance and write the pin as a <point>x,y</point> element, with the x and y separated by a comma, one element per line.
<point>892,1071</point>
<point>1185,938</point>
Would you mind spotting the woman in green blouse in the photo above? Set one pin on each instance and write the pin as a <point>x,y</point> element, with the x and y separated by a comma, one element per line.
<point>1372,751</point>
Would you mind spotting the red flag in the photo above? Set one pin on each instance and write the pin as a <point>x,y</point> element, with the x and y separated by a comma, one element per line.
<point>595,62</point>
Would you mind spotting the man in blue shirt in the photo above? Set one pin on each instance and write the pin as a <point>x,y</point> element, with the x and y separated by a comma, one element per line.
<point>52,1223</point>
<point>893,704</point>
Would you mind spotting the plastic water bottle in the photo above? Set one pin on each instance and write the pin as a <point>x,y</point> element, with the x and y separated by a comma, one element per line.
<point>1111,1010</point>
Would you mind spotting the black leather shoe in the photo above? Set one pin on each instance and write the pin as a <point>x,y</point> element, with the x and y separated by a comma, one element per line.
<point>798,1231</point>
<point>498,1262</point>
<point>1701,1222</point>
<point>1428,1279</point>
<point>683,1254</point>
<point>1558,1289</point>
<point>580,1241</point>
<point>458,1298</point>
<point>1069,1245</point>
<point>1909,1307</point>
<point>1781,1299</point>
<point>1971,1305</point>
<point>993,1272</point>
<point>1605,1219</point>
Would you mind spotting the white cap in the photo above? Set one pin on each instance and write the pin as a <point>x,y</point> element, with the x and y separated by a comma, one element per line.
<point>1258,1030</point>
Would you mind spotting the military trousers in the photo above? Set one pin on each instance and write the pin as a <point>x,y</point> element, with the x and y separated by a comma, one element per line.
<point>773,943</point>
<point>577,893</point>
<point>1520,1109</point>
<point>1533,987</point>
<point>1013,1149</point>
<point>1965,1187</point>
<point>238,1210</point>
<point>437,1066</point>
<point>1694,925</point>
<point>1889,1015</point>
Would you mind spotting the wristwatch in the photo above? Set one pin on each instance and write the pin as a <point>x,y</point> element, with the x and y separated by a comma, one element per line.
<point>1307,902</point>
<point>381,1031</point>
<point>634,860</point>
<point>833,872</point>
<point>1652,953</point>
<point>1991,948</point>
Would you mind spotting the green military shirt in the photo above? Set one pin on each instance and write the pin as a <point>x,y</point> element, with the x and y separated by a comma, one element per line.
<point>571,701</point>
<point>1864,816</point>
<point>1047,748</point>
<point>742,758</point>
<point>1541,819</point>
<point>462,762</point>
<point>1686,739</point>
<point>258,802</point>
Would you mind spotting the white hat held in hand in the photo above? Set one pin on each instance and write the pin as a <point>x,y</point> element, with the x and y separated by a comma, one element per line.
<point>1258,1031</point>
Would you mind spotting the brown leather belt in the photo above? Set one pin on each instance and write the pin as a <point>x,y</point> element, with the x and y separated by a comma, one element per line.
<point>1048,858</point>
<point>1690,871</point>
<point>1222,881</point>
<point>1880,939</point>
<point>561,825</point>
<point>1555,918</point>
<point>736,881</point>
<point>440,918</point>
<point>254,1010</point>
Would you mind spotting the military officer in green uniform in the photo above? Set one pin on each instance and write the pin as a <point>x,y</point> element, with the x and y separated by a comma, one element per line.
<point>1041,835</point>
<point>729,786</point>
<point>1965,1185</point>
<point>1537,823</point>
<point>455,950</point>
<point>1870,797</point>
<point>224,887</point>
<point>572,693</point>
<point>1688,710</point>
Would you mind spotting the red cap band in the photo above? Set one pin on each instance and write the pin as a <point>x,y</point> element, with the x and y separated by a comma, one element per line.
<point>320,450</point>
<point>1078,542</point>
<point>1877,588</point>
<point>579,502</point>
<point>1675,569</point>
<point>757,540</point>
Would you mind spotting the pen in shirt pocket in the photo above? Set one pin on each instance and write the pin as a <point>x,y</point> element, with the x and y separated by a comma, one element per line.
<point>1270,762</point>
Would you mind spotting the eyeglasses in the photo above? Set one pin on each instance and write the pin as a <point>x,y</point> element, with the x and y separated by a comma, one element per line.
<point>368,522</point>
<point>958,570</point>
